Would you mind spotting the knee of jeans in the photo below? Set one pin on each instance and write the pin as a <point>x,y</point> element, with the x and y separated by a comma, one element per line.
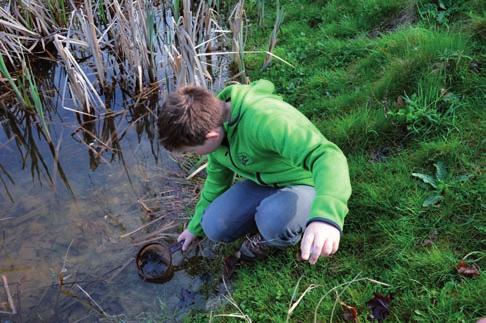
<point>274,225</point>
<point>214,229</point>
<point>280,236</point>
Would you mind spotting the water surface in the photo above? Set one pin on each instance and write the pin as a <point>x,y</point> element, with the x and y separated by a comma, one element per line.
<point>68,197</point>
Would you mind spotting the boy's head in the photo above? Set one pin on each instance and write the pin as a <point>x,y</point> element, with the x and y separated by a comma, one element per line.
<point>191,119</point>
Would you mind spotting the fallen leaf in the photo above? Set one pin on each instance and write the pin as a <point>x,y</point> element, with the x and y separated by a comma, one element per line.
<point>400,103</point>
<point>379,306</point>
<point>350,313</point>
<point>431,239</point>
<point>428,243</point>
<point>467,270</point>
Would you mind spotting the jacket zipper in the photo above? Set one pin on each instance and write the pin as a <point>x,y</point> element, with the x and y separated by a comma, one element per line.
<point>258,175</point>
<point>228,152</point>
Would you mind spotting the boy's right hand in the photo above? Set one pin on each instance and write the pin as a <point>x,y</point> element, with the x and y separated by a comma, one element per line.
<point>188,238</point>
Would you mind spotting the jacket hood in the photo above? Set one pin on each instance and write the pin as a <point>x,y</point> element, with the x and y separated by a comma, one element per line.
<point>246,94</point>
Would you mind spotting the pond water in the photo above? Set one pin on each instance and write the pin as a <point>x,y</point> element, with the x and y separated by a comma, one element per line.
<point>67,203</point>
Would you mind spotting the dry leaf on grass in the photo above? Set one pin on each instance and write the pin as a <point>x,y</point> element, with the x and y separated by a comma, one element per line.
<point>230,263</point>
<point>379,306</point>
<point>350,313</point>
<point>467,270</point>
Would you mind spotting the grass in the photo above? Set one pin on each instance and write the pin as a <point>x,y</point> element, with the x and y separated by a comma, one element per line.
<point>399,85</point>
<point>397,101</point>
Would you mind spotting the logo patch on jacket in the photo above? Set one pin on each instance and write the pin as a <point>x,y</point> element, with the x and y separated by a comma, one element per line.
<point>244,159</point>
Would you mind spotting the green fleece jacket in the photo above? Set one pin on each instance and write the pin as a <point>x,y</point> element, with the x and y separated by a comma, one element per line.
<point>272,143</point>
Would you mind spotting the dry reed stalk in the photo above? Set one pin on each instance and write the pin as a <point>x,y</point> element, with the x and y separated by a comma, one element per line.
<point>24,25</point>
<point>94,302</point>
<point>187,15</point>
<point>155,237</point>
<point>144,206</point>
<point>248,52</point>
<point>229,298</point>
<point>94,151</point>
<point>142,227</point>
<point>236,20</point>
<point>293,306</point>
<point>160,231</point>
<point>89,29</point>
<point>279,17</point>
<point>9,296</point>
<point>60,275</point>
<point>192,70</point>
<point>133,40</point>
<point>183,53</point>
<point>197,171</point>
<point>119,270</point>
<point>41,18</point>
<point>81,88</point>
<point>15,38</point>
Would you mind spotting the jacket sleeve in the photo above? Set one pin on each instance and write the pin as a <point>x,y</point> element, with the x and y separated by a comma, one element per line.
<point>219,178</point>
<point>301,143</point>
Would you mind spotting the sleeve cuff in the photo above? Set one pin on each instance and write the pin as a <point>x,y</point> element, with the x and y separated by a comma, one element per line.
<point>330,222</point>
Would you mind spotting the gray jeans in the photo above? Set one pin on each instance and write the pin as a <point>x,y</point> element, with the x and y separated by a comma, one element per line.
<point>279,214</point>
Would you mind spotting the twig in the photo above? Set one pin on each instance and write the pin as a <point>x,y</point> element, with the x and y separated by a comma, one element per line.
<point>292,308</point>
<point>9,296</point>
<point>63,269</point>
<point>94,302</point>
<point>119,270</point>
<point>240,315</point>
<point>197,171</point>
<point>140,228</point>
<point>144,206</point>
<point>154,239</point>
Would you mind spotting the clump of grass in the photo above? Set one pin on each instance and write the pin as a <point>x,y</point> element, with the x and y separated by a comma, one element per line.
<point>429,109</point>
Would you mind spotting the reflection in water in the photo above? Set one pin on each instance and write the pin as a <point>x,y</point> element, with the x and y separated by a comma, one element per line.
<point>66,202</point>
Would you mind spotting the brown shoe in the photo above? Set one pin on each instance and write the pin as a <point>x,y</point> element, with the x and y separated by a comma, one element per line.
<point>254,248</point>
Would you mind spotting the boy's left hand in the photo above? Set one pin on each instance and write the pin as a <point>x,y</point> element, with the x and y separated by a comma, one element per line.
<point>320,239</point>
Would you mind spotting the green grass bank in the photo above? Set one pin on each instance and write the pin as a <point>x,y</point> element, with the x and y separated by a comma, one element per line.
<point>400,86</point>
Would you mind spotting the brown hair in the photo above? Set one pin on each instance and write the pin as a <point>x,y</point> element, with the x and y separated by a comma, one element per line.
<point>187,116</point>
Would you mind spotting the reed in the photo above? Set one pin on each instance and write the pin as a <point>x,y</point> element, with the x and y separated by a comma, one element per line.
<point>260,6</point>
<point>236,21</point>
<point>15,38</point>
<point>58,8</point>
<point>5,74</point>
<point>279,17</point>
<point>36,99</point>
<point>128,42</point>
<point>89,30</point>
<point>81,88</point>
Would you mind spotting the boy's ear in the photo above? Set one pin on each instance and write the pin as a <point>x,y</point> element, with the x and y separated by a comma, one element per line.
<point>212,134</point>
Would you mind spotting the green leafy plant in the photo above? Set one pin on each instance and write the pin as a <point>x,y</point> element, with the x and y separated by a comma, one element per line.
<point>441,183</point>
<point>428,109</point>
<point>439,12</point>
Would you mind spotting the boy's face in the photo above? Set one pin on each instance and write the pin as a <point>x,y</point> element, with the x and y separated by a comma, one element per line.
<point>213,140</point>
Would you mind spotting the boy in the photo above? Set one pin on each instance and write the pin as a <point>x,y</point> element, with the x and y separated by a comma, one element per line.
<point>296,183</point>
